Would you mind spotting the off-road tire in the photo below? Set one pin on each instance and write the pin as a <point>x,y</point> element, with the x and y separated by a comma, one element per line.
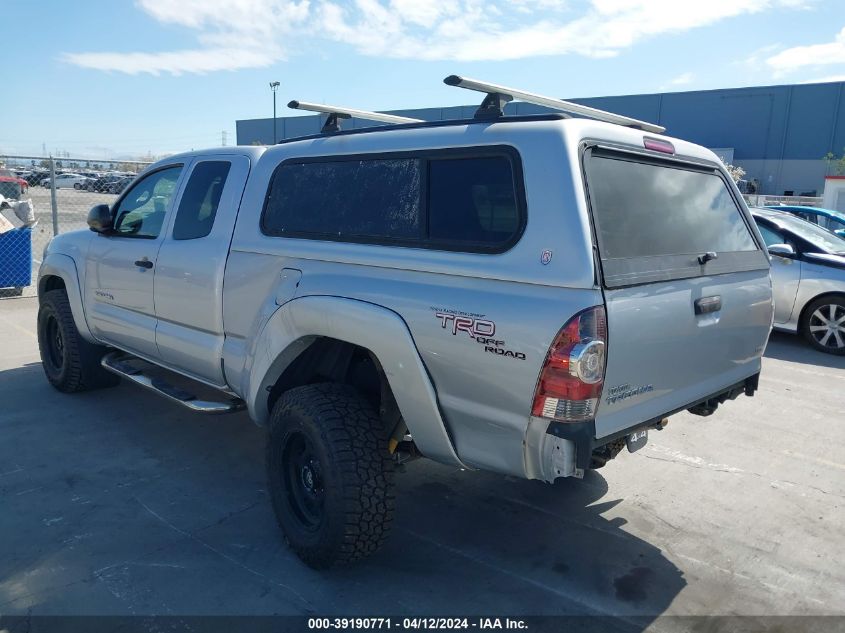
<point>353,466</point>
<point>74,364</point>
<point>808,321</point>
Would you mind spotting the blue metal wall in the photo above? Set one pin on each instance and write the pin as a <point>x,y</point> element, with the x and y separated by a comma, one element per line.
<point>778,133</point>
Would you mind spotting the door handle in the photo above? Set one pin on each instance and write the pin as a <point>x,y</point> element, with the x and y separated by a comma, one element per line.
<point>706,305</point>
<point>144,263</point>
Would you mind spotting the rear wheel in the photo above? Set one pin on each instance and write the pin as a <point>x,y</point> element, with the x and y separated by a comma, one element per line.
<point>824,325</point>
<point>330,475</point>
<point>70,362</point>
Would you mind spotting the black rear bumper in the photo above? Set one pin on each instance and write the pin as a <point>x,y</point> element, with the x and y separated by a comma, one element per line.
<point>583,434</point>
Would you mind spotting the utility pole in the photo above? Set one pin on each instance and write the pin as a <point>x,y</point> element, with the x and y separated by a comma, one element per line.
<point>274,85</point>
<point>223,138</point>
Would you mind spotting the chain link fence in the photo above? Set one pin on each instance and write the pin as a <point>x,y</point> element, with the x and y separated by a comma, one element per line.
<point>43,197</point>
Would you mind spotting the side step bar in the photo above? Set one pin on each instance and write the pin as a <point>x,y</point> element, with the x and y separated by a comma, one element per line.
<point>118,363</point>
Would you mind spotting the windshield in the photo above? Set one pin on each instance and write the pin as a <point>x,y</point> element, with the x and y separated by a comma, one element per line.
<point>820,238</point>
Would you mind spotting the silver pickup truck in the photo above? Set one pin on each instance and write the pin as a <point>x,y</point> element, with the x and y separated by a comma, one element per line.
<point>521,294</point>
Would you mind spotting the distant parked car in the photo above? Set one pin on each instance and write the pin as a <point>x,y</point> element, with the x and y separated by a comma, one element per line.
<point>101,184</point>
<point>37,177</point>
<point>808,278</point>
<point>827,218</point>
<point>119,185</point>
<point>64,181</point>
<point>12,185</point>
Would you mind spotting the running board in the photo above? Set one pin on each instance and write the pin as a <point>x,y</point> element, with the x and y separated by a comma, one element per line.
<point>119,363</point>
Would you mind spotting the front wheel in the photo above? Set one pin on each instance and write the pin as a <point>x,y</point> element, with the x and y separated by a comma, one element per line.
<point>77,186</point>
<point>70,362</point>
<point>824,325</point>
<point>329,474</point>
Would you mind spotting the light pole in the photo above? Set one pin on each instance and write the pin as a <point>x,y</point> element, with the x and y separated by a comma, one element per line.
<point>274,85</point>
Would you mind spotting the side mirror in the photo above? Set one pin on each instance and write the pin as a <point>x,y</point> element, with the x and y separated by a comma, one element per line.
<point>781,250</point>
<point>100,219</point>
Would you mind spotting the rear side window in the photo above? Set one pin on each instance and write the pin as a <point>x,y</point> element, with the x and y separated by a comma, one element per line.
<point>472,200</point>
<point>439,199</point>
<point>199,203</point>
<point>346,199</point>
<point>654,220</point>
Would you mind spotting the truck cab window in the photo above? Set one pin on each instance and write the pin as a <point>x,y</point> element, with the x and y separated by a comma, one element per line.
<point>142,210</point>
<point>199,203</point>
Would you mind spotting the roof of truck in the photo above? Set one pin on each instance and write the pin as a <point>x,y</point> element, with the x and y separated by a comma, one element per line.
<point>251,151</point>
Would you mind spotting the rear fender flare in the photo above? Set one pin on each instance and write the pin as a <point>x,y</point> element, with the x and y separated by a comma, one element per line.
<point>295,325</point>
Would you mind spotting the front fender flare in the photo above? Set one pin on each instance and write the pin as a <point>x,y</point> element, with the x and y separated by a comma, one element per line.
<point>293,327</point>
<point>63,266</point>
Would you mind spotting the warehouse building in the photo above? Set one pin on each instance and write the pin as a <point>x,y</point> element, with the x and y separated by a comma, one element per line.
<point>778,134</point>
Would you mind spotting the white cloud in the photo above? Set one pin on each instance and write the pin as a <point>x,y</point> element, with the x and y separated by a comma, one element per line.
<point>683,79</point>
<point>799,57</point>
<point>824,80</point>
<point>235,34</point>
<point>176,62</point>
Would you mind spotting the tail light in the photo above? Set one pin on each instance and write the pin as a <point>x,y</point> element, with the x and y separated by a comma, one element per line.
<point>572,376</point>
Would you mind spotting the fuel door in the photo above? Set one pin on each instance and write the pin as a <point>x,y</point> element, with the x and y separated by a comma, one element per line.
<point>287,285</point>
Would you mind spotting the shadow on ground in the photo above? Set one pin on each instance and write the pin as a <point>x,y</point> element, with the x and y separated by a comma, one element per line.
<point>116,502</point>
<point>793,348</point>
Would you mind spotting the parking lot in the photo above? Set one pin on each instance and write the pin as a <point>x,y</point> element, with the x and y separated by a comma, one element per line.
<point>72,205</point>
<point>119,503</point>
<point>72,211</point>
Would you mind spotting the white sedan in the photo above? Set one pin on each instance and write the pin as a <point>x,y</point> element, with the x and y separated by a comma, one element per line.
<point>66,181</point>
<point>808,278</point>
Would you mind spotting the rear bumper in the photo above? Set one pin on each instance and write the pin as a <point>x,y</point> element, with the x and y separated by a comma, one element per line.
<point>583,434</point>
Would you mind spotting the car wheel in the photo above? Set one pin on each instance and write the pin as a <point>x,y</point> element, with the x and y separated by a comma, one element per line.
<point>330,474</point>
<point>70,363</point>
<point>77,186</point>
<point>824,325</point>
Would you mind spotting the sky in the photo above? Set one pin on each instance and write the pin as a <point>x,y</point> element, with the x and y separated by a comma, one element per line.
<point>123,78</point>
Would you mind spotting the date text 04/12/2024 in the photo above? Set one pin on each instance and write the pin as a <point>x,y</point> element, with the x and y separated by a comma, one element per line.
<point>358,624</point>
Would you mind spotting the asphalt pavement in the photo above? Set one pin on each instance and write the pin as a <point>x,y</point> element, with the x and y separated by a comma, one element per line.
<point>118,502</point>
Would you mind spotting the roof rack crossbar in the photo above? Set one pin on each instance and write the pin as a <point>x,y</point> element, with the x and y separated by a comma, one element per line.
<point>336,113</point>
<point>497,96</point>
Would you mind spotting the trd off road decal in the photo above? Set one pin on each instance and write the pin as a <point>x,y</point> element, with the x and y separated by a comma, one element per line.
<point>482,331</point>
